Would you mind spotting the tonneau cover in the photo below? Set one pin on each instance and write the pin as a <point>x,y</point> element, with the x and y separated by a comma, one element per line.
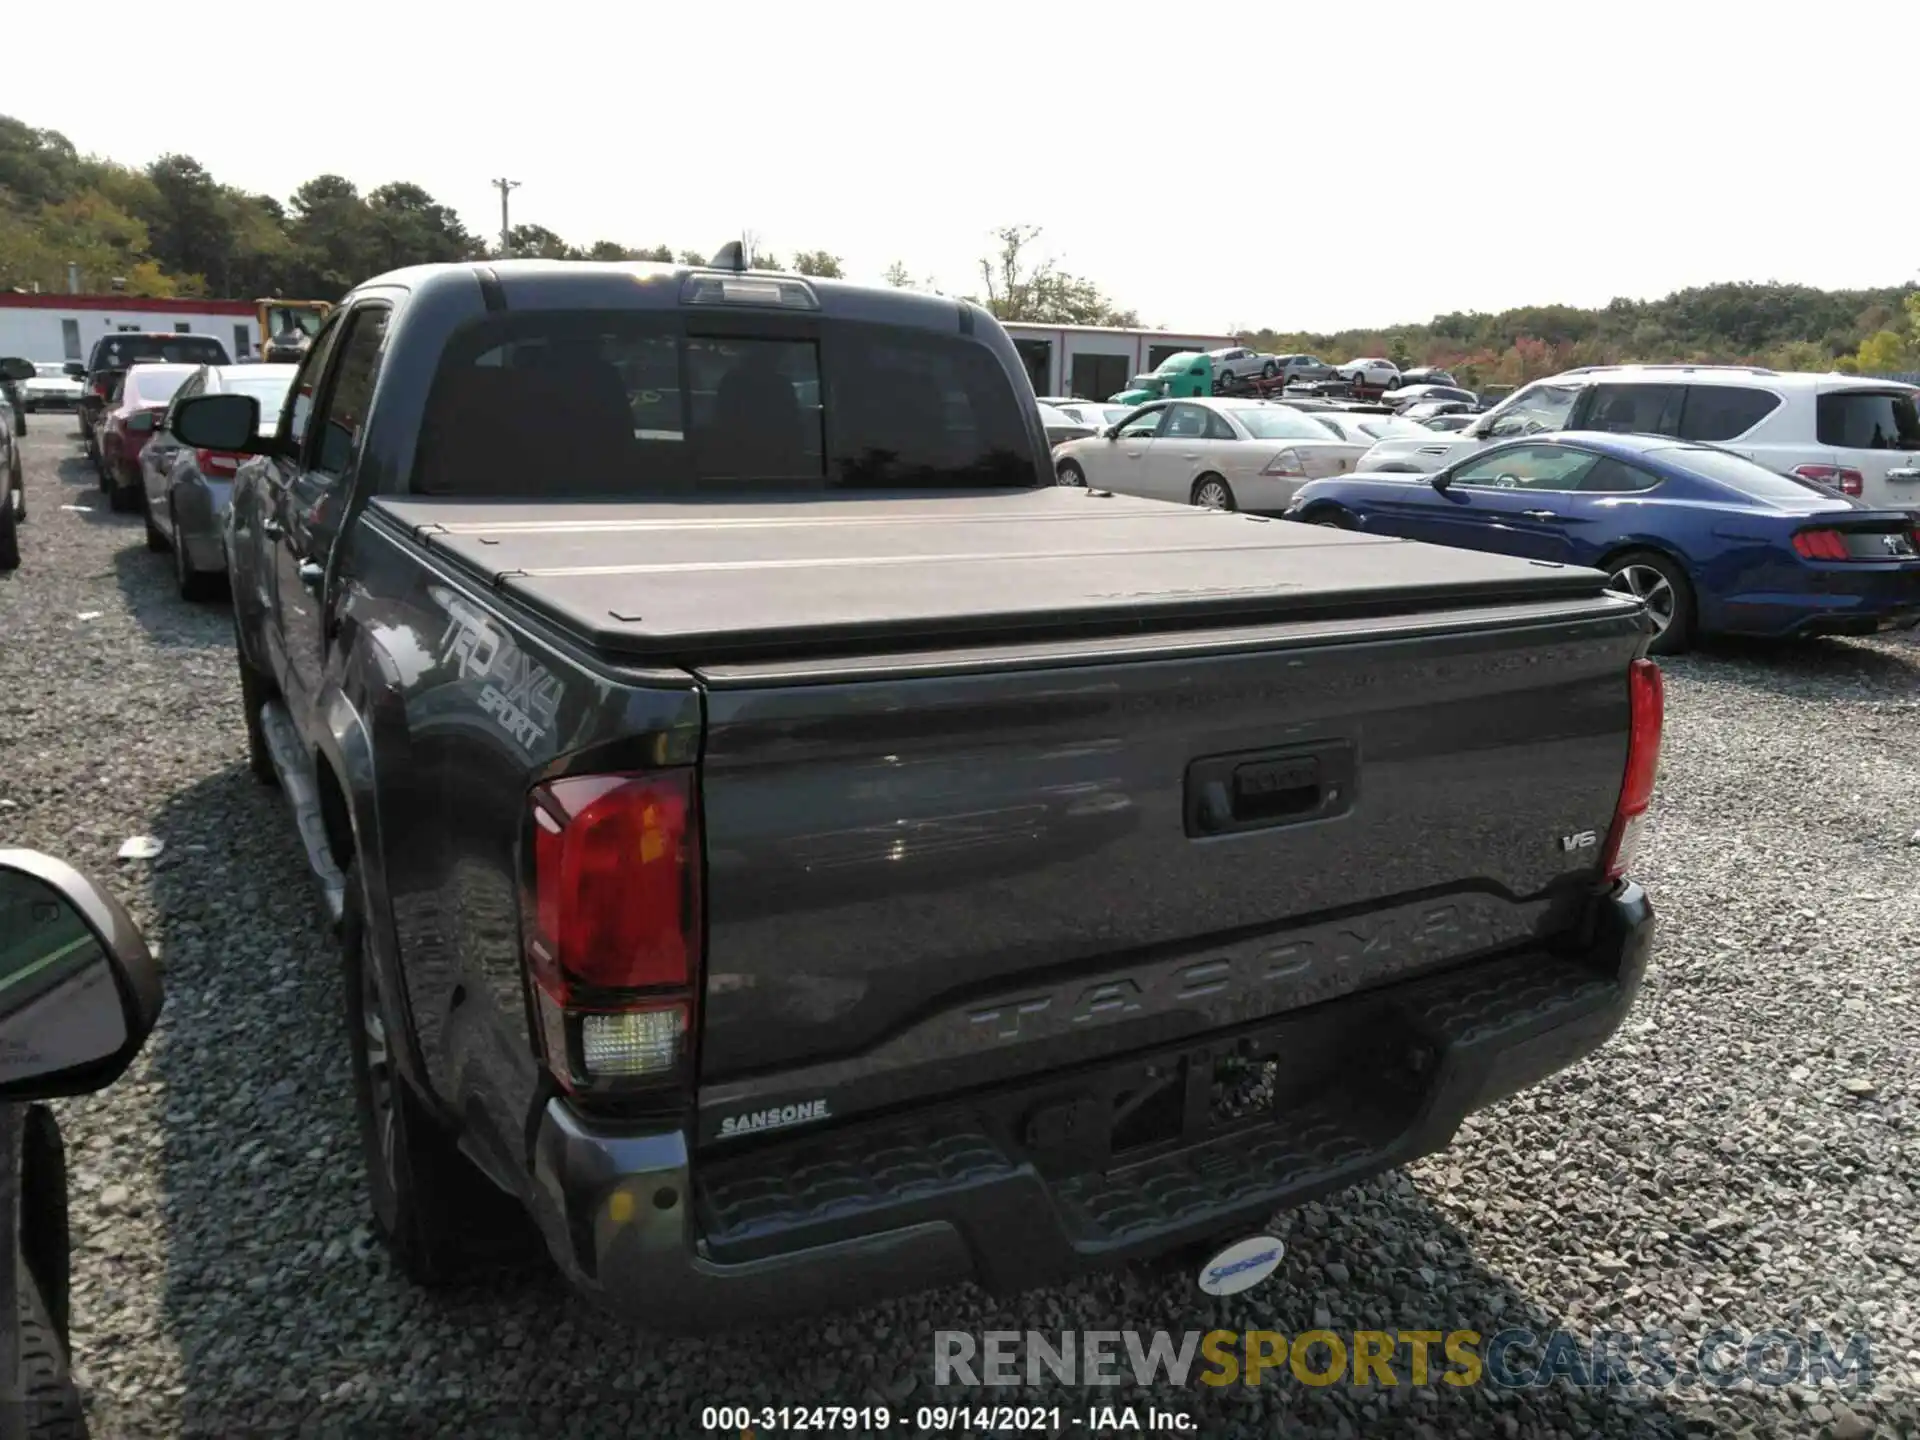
<point>689,582</point>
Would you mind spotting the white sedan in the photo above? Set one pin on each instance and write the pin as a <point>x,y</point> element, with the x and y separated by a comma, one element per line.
<point>1364,429</point>
<point>1368,371</point>
<point>1221,454</point>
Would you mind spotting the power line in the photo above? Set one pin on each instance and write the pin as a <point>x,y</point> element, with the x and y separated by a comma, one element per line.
<point>504,187</point>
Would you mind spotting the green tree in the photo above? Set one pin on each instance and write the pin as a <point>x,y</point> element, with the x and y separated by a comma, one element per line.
<point>536,242</point>
<point>335,241</point>
<point>1884,352</point>
<point>820,263</point>
<point>1038,291</point>
<point>187,219</point>
<point>412,228</point>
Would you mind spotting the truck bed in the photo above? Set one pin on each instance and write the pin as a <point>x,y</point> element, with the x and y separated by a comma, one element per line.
<point>695,583</point>
<point>959,754</point>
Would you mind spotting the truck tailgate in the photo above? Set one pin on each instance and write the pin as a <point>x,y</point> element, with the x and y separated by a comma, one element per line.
<point>925,881</point>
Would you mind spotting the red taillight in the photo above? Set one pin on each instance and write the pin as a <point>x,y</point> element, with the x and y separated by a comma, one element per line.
<point>216,462</point>
<point>1820,545</point>
<point>100,388</point>
<point>1847,482</point>
<point>1646,708</point>
<point>613,924</point>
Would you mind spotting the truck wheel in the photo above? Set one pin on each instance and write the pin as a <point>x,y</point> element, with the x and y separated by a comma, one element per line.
<point>193,584</point>
<point>1650,576</point>
<point>255,691</point>
<point>1267,370</point>
<point>439,1216</point>
<point>1210,492</point>
<point>19,488</point>
<point>9,536</point>
<point>1070,473</point>
<point>45,1380</point>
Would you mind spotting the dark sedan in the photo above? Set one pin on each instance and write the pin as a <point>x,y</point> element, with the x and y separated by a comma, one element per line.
<point>1711,541</point>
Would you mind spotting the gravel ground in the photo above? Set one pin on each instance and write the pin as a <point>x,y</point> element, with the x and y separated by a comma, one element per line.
<point>1741,1156</point>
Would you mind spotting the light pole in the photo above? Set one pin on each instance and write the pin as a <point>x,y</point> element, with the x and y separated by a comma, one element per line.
<point>504,187</point>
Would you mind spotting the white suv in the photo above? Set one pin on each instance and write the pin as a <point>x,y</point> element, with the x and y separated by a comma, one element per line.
<point>1858,435</point>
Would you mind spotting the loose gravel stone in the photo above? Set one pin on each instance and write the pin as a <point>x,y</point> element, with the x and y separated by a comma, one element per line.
<point>1741,1155</point>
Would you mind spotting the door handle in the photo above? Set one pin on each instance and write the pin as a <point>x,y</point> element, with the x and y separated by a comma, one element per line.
<point>270,528</point>
<point>312,572</point>
<point>1540,514</point>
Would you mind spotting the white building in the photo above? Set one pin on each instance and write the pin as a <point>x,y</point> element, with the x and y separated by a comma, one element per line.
<point>65,327</point>
<point>1093,362</point>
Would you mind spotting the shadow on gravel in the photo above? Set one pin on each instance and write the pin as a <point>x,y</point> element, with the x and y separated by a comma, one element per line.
<point>146,580</point>
<point>1790,668</point>
<point>287,1318</point>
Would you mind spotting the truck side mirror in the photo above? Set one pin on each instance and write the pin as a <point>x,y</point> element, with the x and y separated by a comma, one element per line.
<point>74,370</point>
<point>220,422</point>
<point>79,990</point>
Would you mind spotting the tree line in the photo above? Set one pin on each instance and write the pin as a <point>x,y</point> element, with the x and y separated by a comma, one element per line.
<point>172,229</point>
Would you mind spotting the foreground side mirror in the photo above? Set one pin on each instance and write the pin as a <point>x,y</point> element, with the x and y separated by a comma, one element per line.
<point>220,422</point>
<point>12,367</point>
<point>79,990</point>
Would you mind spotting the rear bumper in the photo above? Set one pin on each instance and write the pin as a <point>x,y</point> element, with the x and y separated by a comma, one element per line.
<point>1850,601</point>
<point>952,1192</point>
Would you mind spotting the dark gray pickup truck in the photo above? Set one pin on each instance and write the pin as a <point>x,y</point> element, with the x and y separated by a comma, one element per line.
<point>794,852</point>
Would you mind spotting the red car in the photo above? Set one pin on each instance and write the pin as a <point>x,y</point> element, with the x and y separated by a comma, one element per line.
<point>134,409</point>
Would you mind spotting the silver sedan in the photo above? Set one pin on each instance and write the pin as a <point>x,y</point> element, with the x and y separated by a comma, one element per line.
<point>187,490</point>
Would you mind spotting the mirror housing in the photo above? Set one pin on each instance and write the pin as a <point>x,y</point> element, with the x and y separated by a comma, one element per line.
<point>220,422</point>
<point>79,990</point>
<point>14,368</point>
<point>74,370</point>
<point>1440,479</point>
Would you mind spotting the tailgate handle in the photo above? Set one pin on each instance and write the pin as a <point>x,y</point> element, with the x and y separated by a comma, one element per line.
<point>1261,789</point>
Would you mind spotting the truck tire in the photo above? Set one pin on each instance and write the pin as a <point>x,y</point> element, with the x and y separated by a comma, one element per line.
<point>255,691</point>
<point>19,488</point>
<point>46,1387</point>
<point>1267,370</point>
<point>440,1217</point>
<point>9,535</point>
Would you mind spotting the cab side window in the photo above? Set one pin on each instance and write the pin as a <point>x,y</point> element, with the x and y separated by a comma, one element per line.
<point>304,391</point>
<point>351,392</point>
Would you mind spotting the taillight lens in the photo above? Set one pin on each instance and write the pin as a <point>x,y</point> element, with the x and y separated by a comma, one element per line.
<point>1288,465</point>
<point>613,925</point>
<point>1646,706</point>
<point>216,462</point>
<point>1847,482</point>
<point>1820,545</point>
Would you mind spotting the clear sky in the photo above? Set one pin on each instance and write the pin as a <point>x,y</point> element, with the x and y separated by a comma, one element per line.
<point>1453,157</point>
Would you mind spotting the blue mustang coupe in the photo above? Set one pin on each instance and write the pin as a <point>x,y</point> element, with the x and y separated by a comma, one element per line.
<point>1711,541</point>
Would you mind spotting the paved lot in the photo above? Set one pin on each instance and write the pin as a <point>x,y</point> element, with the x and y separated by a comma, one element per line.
<point>1743,1156</point>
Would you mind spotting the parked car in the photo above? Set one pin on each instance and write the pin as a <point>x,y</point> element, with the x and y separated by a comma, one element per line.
<point>1236,362</point>
<point>786,813</point>
<point>128,420</point>
<point>1221,454</point>
<point>1303,369</point>
<point>50,388</point>
<point>1711,541</point>
<point>187,489</point>
<point>1859,435</point>
<point>1368,371</point>
<point>1407,396</point>
<point>1062,427</point>
<point>1427,375</point>
<point>1366,429</point>
<point>79,994</point>
<point>13,476</point>
<point>1096,415</point>
<point>111,356</point>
